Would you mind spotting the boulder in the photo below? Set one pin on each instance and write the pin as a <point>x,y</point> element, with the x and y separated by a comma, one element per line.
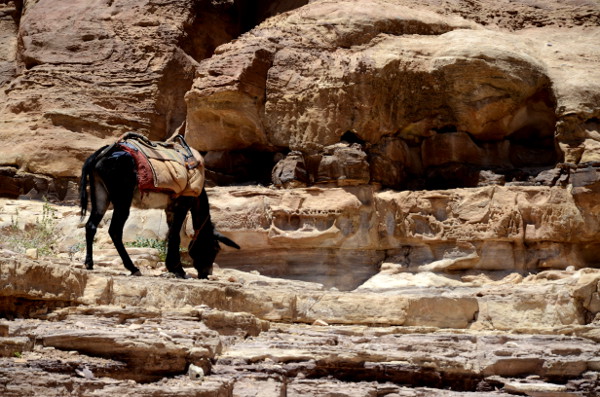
<point>343,165</point>
<point>290,171</point>
<point>409,75</point>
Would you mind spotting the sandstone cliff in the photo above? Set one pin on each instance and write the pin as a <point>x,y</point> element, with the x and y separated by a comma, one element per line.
<point>413,185</point>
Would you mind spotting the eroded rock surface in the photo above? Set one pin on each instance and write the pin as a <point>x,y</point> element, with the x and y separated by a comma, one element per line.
<point>75,77</point>
<point>436,92</point>
<point>111,334</point>
<point>453,326</point>
<point>433,98</point>
<point>345,233</point>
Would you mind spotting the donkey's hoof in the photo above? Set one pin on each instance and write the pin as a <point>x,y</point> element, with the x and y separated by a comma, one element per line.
<point>182,275</point>
<point>136,273</point>
<point>89,266</point>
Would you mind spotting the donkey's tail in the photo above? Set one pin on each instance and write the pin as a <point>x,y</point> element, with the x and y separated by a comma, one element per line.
<point>86,173</point>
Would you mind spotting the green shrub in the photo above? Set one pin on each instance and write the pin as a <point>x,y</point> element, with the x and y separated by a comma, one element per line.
<point>160,245</point>
<point>40,235</point>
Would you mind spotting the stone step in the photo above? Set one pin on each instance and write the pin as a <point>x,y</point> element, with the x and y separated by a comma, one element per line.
<point>538,304</point>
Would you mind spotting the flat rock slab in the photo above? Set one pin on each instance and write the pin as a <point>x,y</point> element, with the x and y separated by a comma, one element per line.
<point>532,304</point>
<point>105,332</point>
<point>409,356</point>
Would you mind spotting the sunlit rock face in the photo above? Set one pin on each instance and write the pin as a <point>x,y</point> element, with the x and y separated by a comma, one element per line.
<point>340,236</point>
<point>435,101</point>
<point>76,76</point>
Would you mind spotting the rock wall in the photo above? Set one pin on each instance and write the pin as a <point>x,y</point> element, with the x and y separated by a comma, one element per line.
<point>340,236</point>
<point>76,76</point>
<point>432,98</point>
<point>437,95</point>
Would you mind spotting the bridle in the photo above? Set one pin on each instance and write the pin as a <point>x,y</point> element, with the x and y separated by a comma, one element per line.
<point>197,231</point>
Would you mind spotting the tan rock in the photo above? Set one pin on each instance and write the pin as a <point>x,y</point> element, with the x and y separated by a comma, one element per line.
<point>85,73</point>
<point>485,229</point>
<point>251,386</point>
<point>32,253</point>
<point>14,346</point>
<point>396,357</point>
<point>290,172</point>
<point>537,389</point>
<point>344,165</point>
<point>8,41</point>
<point>157,326</point>
<point>472,81</point>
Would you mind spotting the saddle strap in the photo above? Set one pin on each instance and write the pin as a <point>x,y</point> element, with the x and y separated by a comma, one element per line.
<point>190,159</point>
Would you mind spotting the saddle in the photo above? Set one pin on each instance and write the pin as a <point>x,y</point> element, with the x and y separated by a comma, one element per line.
<point>167,167</point>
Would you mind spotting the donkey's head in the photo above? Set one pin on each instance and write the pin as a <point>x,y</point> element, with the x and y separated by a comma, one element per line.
<point>203,249</point>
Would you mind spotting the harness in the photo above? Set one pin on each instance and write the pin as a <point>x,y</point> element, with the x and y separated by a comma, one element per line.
<point>167,167</point>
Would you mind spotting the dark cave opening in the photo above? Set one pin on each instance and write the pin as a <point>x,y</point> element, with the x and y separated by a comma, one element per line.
<point>446,160</point>
<point>239,167</point>
<point>351,137</point>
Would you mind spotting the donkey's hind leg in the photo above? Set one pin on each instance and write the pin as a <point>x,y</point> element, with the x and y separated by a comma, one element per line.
<point>120,179</point>
<point>100,204</point>
<point>120,215</point>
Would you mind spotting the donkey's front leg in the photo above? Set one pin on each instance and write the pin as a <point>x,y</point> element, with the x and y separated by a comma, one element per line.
<point>90,232</point>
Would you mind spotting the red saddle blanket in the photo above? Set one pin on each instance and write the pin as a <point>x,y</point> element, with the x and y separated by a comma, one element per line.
<point>166,167</point>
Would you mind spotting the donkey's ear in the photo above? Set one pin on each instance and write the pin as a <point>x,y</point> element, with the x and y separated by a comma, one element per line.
<point>226,240</point>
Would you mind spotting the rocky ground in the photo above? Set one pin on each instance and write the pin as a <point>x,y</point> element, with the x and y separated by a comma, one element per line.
<point>69,331</point>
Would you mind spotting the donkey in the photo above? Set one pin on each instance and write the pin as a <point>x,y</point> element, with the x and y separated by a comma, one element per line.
<point>112,177</point>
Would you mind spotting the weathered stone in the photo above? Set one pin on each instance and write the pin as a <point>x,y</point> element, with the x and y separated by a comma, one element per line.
<point>428,48</point>
<point>255,386</point>
<point>537,389</point>
<point>290,172</point>
<point>11,346</point>
<point>17,379</point>
<point>391,161</point>
<point>157,326</point>
<point>83,74</point>
<point>386,354</point>
<point>343,165</point>
<point>513,118</point>
<point>445,304</point>
<point>447,148</point>
<point>9,17</point>
<point>41,281</point>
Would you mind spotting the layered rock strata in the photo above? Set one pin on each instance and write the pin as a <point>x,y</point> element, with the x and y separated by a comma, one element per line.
<point>435,101</point>
<point>75,77</point>
<point>409,330</point>
<point>344,234</point>
<point>100,334</point>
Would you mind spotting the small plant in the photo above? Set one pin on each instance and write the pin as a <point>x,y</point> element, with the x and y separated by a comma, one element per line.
<point>14,220</point>
<point>75,248</point>
<point>17,354</point>
<point>40,235</point>
<point>160,245</point>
